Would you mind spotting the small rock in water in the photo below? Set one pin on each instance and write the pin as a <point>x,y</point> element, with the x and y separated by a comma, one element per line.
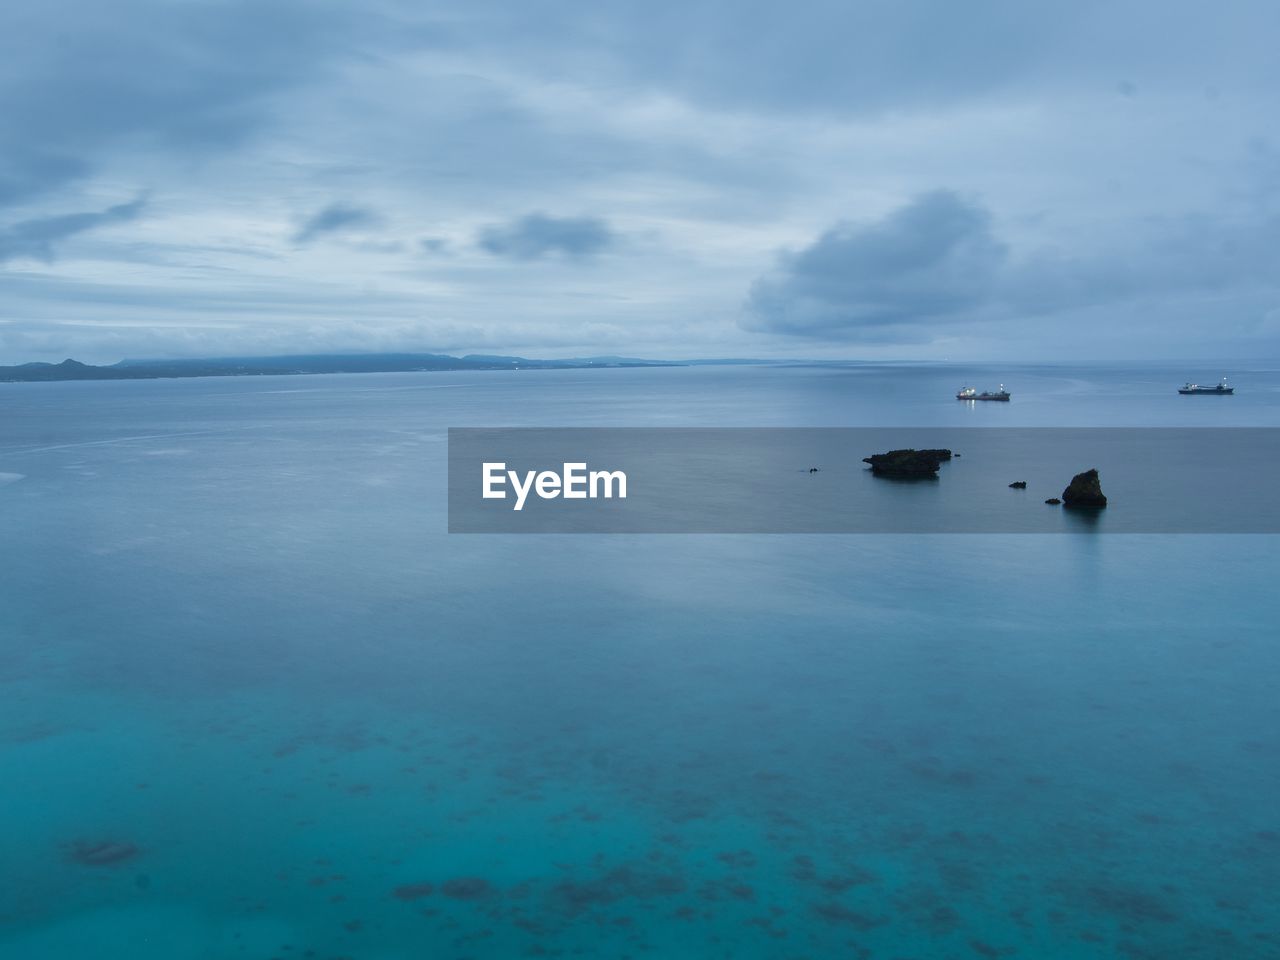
<point>1054,500</point>
<point>1084,490</point>
<point>1019,485</point>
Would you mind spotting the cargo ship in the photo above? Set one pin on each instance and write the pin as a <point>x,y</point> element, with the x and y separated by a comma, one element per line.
<point>1220,390</point>
<point>971,393</point>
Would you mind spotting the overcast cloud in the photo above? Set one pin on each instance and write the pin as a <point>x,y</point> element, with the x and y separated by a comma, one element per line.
<point>335,218</point>
<point>932,260</point>
<point>39,237</point>
<point>538,235</point>
<point>711,177</point>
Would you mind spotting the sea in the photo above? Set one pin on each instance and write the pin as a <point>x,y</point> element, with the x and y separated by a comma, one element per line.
<point>257,702</point>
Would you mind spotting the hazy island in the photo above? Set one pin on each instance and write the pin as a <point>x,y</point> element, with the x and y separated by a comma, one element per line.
<point>305,364</point>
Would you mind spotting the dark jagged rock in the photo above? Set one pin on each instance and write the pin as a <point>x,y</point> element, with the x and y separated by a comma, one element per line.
<point>1084,490</point>
<point>907,464</point>
<point>1019,485</point>
<point>1053,500</point>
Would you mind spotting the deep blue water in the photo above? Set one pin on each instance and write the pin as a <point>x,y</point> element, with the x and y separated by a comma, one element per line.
<point>239,649</point>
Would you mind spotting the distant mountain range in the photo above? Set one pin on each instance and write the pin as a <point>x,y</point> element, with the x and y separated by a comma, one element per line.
<point>308,363</point>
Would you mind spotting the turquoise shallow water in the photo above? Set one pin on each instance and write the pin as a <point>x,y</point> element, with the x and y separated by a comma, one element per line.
<point>238,646</point>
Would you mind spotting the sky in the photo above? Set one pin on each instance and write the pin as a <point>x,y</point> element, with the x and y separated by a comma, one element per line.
<point>864,179</point>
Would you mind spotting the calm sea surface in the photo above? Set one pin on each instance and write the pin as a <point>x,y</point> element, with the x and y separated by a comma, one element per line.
<point>255,702</point>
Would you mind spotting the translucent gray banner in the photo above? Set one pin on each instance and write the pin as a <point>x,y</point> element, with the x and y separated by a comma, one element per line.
<point>814,480</point>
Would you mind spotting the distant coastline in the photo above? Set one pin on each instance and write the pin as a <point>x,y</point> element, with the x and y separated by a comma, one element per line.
<point>318,363</point>
<point>301,364</point>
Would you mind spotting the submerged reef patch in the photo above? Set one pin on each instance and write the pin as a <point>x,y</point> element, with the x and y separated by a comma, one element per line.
<point>413,891</point>
<point>467,888</point>
<point>101,853</point>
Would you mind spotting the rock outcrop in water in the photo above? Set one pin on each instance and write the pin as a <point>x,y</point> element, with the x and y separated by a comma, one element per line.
<point>907,464</point>
<point>1084,490</point>
<point>1053,501</point>
<point>1018,485</point>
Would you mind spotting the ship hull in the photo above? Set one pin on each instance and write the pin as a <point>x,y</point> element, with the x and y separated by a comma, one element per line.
<point>1208,393</point>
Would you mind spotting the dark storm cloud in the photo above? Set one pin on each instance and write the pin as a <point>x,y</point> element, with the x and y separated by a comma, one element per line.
<point>932,258</point>
<point>537,235</point>
<point>333,219</point>
<point>37,238</point>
